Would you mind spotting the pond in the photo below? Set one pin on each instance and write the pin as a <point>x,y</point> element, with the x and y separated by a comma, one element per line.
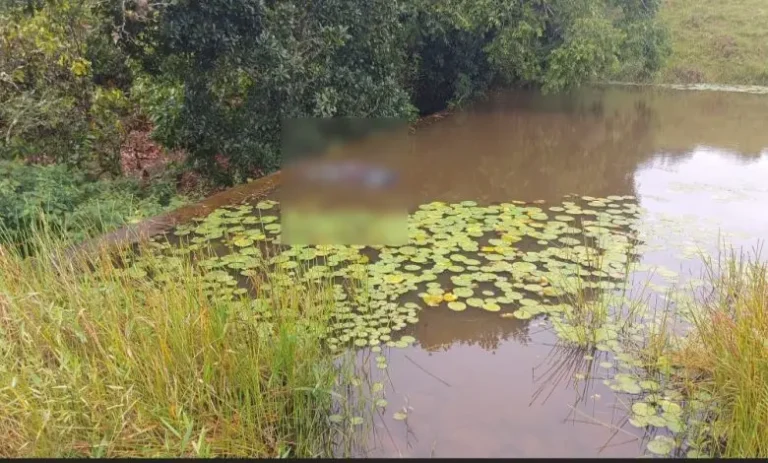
<point>508,200</point>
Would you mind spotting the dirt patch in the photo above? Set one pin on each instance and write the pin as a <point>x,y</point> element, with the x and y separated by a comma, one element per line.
<point>726,46</point>
<point>688,76</point>
<point>142,157</point>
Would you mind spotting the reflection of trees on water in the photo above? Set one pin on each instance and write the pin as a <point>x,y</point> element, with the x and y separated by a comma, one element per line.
<point>521,145</point>
<point>686,120</point>
<point>669,160</point>
<point>440,328</point>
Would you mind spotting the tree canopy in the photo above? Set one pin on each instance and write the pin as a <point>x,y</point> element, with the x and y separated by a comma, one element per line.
<point>218,77</point>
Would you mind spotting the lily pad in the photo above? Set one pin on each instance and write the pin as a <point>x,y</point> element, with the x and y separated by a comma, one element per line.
<point>522,314</point>
<point>457,306</point>
<point>661,445</point>
<point>643,409</point>
<point>491,307</point>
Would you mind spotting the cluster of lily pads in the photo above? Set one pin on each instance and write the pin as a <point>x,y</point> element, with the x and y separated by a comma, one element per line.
<point>517,259</point>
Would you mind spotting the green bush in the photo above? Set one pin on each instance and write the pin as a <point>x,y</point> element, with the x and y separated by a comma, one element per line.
<point>70,204</point>
<point>51,55</point>
<point>247,65</point>
<point>236,69</point>
<point>218,78</point>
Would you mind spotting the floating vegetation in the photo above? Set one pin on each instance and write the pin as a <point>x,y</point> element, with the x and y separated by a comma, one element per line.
<point>565,262</point>
<point>459,257</point>
<point>661,445</point>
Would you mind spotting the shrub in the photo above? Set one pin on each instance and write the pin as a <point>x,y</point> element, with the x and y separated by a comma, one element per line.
<point>72,204</point>
<point>50,106</point>
<point>245,66</point>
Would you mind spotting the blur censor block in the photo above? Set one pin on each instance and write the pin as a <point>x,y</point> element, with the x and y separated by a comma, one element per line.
<point>339,186</point>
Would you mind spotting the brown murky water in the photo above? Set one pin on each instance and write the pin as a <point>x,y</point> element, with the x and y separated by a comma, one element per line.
<point>477,385</point>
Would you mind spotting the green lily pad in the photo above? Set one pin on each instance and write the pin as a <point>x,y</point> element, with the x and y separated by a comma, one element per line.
<point>630,387</point>
<point>657,421</point>
<point>661,445</point>
<point>643,409</point>
<point>649,385</point>
<point>671,407</point>
<point>475,302</point>
<point>463,292</point>
<point>457,306</point>
<point>639,421</point>
<point>491,307</point>
<point>522,314</point>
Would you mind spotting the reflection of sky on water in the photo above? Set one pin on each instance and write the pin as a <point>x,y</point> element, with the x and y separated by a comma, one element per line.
<point>694,200</point>
<point>472,381</point>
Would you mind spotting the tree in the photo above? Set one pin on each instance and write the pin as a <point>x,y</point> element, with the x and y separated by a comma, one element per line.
<point>50,105</point>
<point>243,66</point>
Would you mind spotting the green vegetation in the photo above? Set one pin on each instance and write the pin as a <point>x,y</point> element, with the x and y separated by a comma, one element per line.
<point>726,357</point>
<point>706,385</point>
<point>704,388</point>
<point>716,42</point>
<point>279,313</point>
<point>99,362</point>
<point>455,254</point>
<point>166,358</point>
<point>69,204</point>
<point>52,107</point>
<point>173,350</point>
<point>268,62</point>
<point>218,79</point>
<point>64,116</point>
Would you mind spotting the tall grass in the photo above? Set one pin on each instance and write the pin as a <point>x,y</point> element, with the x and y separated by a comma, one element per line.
<point>727,355</point>
<point>723,357</point>
<point>96,362</point>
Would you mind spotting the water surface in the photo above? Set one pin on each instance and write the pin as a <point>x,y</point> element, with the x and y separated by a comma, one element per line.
<point>477,385</point>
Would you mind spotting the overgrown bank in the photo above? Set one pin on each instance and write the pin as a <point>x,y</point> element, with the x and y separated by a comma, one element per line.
<point>217,79</point>
<point>159,399</point>
<point>726,358</point>
<point>97,362</point>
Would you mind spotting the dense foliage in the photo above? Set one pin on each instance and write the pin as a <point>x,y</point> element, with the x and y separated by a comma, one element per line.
<point>68,203</point>
<point>245,66</point>
<point>57,99</point>
<point>219,78</point>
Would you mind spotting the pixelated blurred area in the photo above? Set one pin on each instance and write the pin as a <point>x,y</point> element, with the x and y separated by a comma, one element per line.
<point>340,185</point>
